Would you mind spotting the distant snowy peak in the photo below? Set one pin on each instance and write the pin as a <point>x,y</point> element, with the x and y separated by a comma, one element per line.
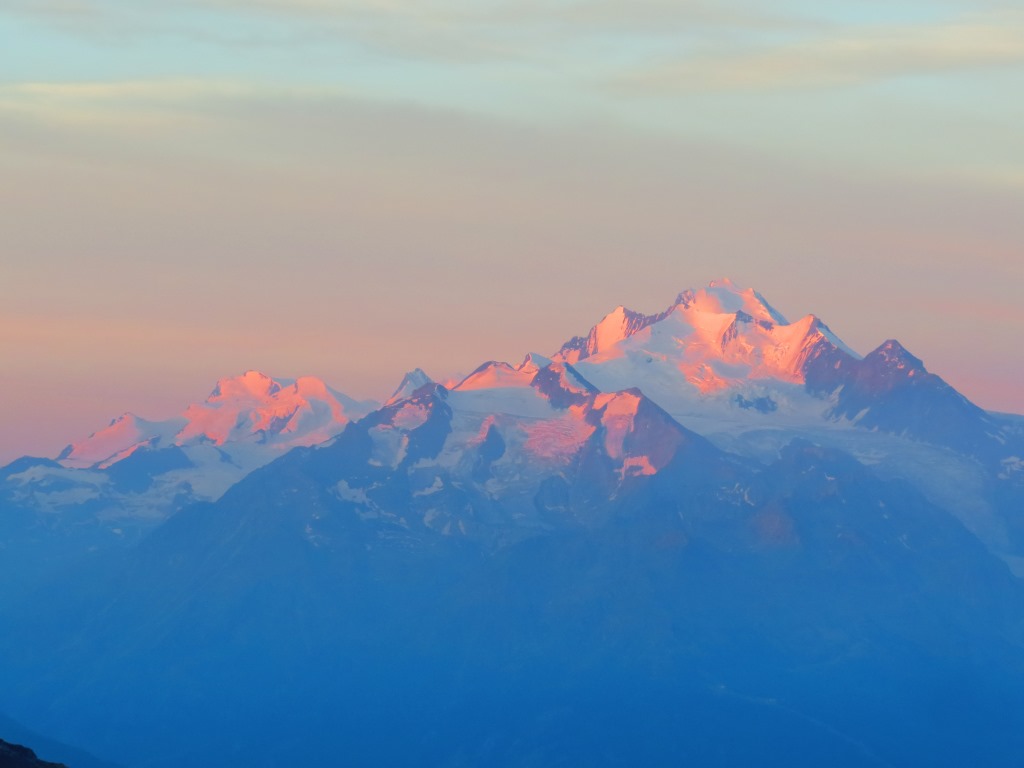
<point>891,355</point>
<point>255,406</point>
<point>533,363</point>
<point>118,440</point>
<point>721,297</point>
<point>493,426</point>
<point>724,297</point>
<point>890,389</point>
<point>715,350</point>
<point>551,413</point>
<point>496,375</point>
<point>714,337</point>
<point>250,408</point>
<point>558,382</point>
<point>617,325</point>
<point>250,385</point>
<point>889,367</point>
<point>412,381</point>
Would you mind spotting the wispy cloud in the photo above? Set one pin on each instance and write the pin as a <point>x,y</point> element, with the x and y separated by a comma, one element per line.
<point>37,112</point>
<point>434,29</point>
<point>640,44</point>
<point>852,56</point>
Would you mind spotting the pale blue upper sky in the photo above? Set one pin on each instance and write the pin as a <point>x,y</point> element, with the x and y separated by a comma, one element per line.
<point>845,83</point>
<point>350,188</point>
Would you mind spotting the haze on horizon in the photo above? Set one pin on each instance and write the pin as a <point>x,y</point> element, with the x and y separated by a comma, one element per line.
<point>351,188</point>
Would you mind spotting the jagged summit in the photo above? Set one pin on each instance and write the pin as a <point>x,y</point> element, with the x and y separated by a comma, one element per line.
<point>533,362</point>
<point>495,374</point>
<point>893,353</point>
<point>412,381</point>
<point>617,325</point>
<point>699,308</point>
<point>709,340</point>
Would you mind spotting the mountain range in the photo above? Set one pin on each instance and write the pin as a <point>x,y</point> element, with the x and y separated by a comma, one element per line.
<point>673,529</point>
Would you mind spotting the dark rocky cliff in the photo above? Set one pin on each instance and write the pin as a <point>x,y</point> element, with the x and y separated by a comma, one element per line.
<point>15,756</point>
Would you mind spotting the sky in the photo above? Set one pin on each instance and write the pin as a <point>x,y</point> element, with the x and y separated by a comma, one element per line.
<point>353,188</point>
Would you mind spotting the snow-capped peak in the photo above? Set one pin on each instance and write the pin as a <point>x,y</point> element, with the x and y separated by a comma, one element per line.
<point>720,297</point>
<point>617,325</point>
<point>533,363</point>
<point>250,408</point>
<point>495,374</point>
<point>255,405</point>
<point>251,384</point>
<point>725,297</point>
<point>712,340</point>
<point>118,439</point>
<point>412,381</point>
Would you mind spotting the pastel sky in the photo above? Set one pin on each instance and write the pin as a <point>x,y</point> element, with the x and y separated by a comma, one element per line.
<point>352,188</point>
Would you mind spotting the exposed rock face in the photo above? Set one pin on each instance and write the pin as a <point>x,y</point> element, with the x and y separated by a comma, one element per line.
<point>15,756</point>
